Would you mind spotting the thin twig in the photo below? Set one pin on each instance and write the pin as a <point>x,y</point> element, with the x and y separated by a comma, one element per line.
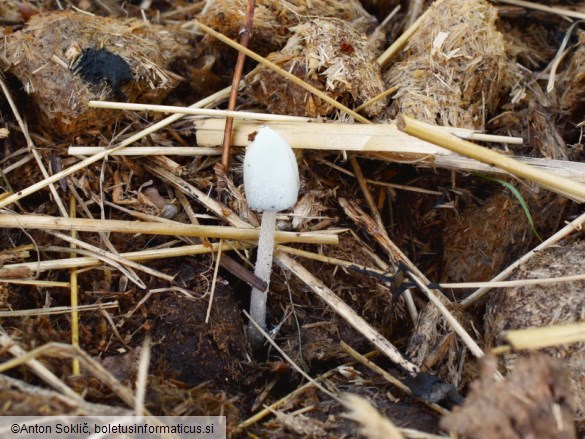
<point>246,34</point>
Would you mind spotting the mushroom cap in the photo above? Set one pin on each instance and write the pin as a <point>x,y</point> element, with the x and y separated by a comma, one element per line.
<point>271,173</point>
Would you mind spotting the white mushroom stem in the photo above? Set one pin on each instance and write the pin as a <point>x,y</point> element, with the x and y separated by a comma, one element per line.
<point>263,270</point>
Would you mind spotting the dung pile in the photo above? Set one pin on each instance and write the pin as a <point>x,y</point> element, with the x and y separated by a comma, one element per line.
<point>545,305</point>
<point>454,69</point>
<point>42,55</point>
<point>330,55</point>
<point>274,18</point>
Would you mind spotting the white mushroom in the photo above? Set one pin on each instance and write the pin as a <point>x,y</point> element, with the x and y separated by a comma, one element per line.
<point>271,179</point>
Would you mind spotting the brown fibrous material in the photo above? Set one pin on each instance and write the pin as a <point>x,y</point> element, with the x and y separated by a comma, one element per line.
<point>455,68</point>
<point>330,55</point>
<point>274,18</point>
<point>60,94</point>
<point>531,402</point>
<point>545,305</point>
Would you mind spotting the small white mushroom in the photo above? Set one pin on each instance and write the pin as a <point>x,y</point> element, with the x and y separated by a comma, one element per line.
<point>271,179</point>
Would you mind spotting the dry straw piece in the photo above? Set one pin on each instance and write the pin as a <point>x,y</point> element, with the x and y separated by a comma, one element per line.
<point>544,305</point>
<point>39,56</point>
<point>455,67</point>
<point>330,55</point>
<point>274,18</point>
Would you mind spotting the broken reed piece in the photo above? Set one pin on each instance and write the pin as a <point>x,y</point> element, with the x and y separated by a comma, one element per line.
<point>547,336</point>
<point>41,222</point>
<point>439,136</point>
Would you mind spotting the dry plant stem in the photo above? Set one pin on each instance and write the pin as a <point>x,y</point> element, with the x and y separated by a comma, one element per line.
<point>455,325</point>
<point>282,72</point>
<point>244,40</point>
<point>391,379</point>
<point>414,9</point>
<point>263,269</point>
<point>397,46</point>
<point>84,163</point>
<point>538,7</point>
<point>375,99</point>
<point>144,255</point>
<point>32,148</point>
<point>114,257</point>
<point>213,283</point>
<point>37,283</point>
<point>289,360</point>
<point>60,350</point>
<point>37,367</point>
<point>538,338</point>
<point>359,175</point>
<point>142,377</point>
<point>55,310</point>
<point>575,225</point>
<point>345,311</point>
<point>200,111</point>
<point>185,151</point>
<point>41,222</point>
<point>338,136</point>
<point>430,133</point>
<point>74,292</point>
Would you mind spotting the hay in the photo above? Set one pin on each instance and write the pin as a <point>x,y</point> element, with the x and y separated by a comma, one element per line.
<point>330,55</point>
<point>455,67</point>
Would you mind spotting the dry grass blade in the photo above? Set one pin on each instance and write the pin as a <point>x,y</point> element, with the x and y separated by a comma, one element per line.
<point>538,338</point>
<point>345,311</point>
<point>37,367</point>
<point>575,225</point>
<point>144,255</point>
<point>430,133</point>
<point>41,222</point>
<point>373,424</point>
<point>197,111</point>
<point>188,151</point>
<point>544,8</point>
<point>90,160</point>
<point>55,310</point>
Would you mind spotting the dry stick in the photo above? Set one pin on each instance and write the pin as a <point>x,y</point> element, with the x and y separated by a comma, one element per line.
<point>84,163</point>
<point>345,311</point>
<point>282,72</point>
<point>134,227</point>
<point>32,148</point>
<point>37,283</point>
<point>564,232</point>
<point>391,379</point>
<point>37,367</point>
<point>538,7</point>
<point>198,111</point>
<point>430,133</point>
<point>246,33</point>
